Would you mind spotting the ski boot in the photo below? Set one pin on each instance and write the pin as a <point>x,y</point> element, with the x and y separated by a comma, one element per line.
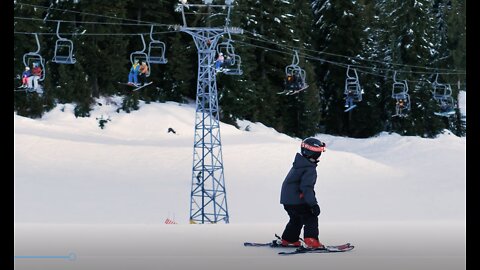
<point>312,243</point>
<point>284,243</point>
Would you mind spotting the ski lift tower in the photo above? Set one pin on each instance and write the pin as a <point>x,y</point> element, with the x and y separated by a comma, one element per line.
<point>208,203</point>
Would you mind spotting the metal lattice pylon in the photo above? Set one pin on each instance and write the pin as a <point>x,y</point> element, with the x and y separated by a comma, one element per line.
<point>208,203</point>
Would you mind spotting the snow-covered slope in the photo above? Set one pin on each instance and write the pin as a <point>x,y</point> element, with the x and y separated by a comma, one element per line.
<point>133,171</point>
<point>105,193</point>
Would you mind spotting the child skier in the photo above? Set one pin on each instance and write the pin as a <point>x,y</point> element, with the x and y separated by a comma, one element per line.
<point>298,197</point>
<point>27,73</point>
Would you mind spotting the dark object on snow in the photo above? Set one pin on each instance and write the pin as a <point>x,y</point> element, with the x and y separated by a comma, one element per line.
<point>171,130</point>
<point>102,121</point>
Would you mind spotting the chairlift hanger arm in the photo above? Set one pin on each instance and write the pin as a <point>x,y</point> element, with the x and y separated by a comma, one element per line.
<point>143,42</point>
<point>58,30</point>
<point>151,33</point>
<point>354,71</point>
<point>295,60</point>
<point>38,43</point>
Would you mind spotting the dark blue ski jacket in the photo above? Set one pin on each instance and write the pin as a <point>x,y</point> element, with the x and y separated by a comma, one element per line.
<point>298,186</point>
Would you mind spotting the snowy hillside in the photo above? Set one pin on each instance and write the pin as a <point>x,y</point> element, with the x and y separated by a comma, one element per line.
<point>72,177</point>
<point>133,171</point>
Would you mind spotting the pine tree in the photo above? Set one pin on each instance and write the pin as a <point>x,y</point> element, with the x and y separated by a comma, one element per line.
<point>338,29</point>
<point>103,56</point>
<point>259,18</point>
<point>277,28</point>
<point>412,34</point>
<point>239,94</point>
<point>304,117</point>
<point>179,78</point>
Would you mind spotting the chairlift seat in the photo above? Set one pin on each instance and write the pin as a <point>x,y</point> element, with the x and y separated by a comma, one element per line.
<point>63,53</point>
<point>156,58</point>
<point>234,71</point>
<point>60,59</point>
<point>235,66</point>
<point>399,89</point>
<point>354,88</point>
<point>442,93</point>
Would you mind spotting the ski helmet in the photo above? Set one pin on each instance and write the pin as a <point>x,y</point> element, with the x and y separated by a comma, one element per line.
<point>312,148</point>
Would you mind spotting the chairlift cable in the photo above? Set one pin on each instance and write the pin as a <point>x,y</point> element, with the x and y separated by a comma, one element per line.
<point>82,22</point>
<point>343,65</point>
<point>349,57</point>
<point>255,35</point>
<point>92,14</point>
<point>145,23</point>
<point>93,34</point>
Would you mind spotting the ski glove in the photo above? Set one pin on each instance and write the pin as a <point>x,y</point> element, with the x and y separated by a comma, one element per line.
<point>315,210</point>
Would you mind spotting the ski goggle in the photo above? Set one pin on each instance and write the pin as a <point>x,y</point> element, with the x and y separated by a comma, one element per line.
<point>318,149</point>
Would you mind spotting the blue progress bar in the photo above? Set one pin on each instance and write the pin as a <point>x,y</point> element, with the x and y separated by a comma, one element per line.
<point>70,257</point>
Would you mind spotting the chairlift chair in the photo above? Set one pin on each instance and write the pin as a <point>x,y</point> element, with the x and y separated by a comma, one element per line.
<point>299,76</point>
<point>441,90</point>
<point>444,99</point>
<point>156,50</point>
<point>352,86</point>
<point>442,93</point>
<point>447,106</point>
<point>63,53</point>
<point>141,56</point>
<point>296,71</point>
<point>226,48</point>
<point>234,66</point>
<point>35,57</point>
<point>399,89</point>
<point>400,94</point>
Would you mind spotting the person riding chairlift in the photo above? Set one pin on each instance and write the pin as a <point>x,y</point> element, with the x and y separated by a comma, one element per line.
<point>349,99</point>
<point>27,73</point>
<point>132,76</point>
<point>290,82</point>
<point>33,80</point>
<point>228,62</point>
<point>143,73</point>
<point>219,61</point>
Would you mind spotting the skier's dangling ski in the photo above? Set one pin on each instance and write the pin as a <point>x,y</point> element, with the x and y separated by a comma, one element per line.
<point>137,86</point>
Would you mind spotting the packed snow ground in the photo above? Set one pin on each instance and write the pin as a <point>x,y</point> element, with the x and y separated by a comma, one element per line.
<point>105,193</point>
